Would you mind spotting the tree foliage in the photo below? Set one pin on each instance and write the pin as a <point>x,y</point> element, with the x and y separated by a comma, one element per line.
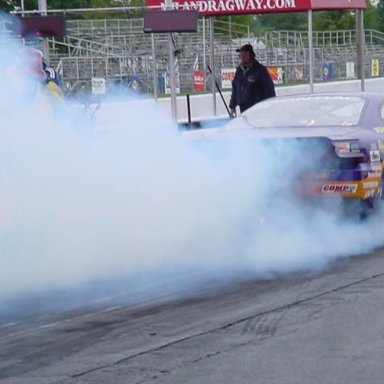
<point>6,5</point>
<point>9,5</point>
<point>380,15</point>
<point>323,20</point>
<point>280,22</point>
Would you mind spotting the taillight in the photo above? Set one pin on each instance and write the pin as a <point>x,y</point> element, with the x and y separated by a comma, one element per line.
<point>349,153</point>
<point>346,147</point>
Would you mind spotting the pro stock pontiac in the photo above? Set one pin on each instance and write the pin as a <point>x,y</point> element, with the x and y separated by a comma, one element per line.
<point>339,136</point>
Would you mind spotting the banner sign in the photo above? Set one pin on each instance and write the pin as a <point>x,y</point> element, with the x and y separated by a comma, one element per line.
<point>350,67</point>
<point>327,70</point>
<point>168,83</point>
<point>233,7</point>
<point>227,75</point>
<point>299,72</point>
<point>99,86</point>
<point>277,75</point>
<point>198,81</point>
<point>134,83</point>
<point>375,68</point>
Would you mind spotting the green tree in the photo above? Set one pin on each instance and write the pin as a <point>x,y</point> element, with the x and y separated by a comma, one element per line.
<point>6,5</point>
<point>280,22</point>
<point>237,24</point>
<point>333,20</point>
<point>371,16</point>
<point>9,5</point>
<point>323,20</point>
<point>62,4</point>
<point>380,15</point>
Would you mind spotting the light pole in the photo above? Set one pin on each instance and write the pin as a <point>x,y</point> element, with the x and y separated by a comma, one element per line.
<point>213,67</point>
<point>154,68</point>
<point>360,47</point>
<point>43,7</point>
<point>43,10</point>
<point>22,7</point>
<point>310,51</point>
<point>172,74</point>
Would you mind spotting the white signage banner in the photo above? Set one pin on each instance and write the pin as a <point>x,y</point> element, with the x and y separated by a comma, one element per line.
<point>227,75</point>
<point>99,86</point>
<point>350,70</point>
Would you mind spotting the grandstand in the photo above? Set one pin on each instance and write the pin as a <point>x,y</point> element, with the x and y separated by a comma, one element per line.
<point>117,49</point>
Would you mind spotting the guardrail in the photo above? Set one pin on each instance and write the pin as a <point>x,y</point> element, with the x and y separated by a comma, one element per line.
<point>280,39</point>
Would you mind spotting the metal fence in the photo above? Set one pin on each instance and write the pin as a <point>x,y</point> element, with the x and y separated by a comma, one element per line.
<point>117,50</point>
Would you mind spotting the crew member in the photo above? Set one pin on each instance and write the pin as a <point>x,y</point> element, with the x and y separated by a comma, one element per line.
<point>36,68</point>
<point>252,82</point>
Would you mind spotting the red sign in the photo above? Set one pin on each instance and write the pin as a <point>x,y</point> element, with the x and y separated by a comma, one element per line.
<point>198,81</point>
<point>227,76</point>
<point>228,7</point>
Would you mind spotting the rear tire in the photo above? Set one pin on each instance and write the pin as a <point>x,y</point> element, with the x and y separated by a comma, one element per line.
<point>357,209</point>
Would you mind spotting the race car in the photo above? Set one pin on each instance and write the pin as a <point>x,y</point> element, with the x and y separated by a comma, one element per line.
<point>343,134</point>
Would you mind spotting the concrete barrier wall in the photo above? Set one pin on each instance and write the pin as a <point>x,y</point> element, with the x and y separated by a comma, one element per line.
<point>202,105</point>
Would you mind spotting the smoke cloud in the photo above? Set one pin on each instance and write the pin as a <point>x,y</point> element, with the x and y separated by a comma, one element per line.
<point>128,201</point>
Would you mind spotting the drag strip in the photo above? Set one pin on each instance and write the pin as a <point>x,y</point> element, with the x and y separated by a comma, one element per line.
<point>269,323</point>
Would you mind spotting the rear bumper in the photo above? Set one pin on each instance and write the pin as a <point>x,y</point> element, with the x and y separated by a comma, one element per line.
<point>363,185</point>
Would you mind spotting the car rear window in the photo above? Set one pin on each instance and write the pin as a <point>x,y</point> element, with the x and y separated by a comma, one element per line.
<point>306,111</point>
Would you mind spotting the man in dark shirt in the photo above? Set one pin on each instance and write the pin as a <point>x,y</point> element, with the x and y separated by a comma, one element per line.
<point>252,82</point>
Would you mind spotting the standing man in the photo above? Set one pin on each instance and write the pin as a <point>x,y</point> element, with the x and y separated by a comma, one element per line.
<point>252,82</point>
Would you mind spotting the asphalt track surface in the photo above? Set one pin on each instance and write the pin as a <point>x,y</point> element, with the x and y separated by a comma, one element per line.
<point>327,328</point>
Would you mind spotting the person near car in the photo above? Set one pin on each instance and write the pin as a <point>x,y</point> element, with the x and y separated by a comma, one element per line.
<point>252,82</point>
<point>37,69</point>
